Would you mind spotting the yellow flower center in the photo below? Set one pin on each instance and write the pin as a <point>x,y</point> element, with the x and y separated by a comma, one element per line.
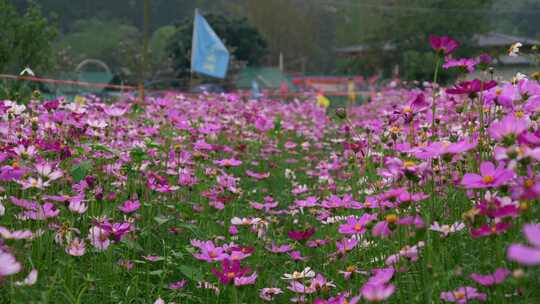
<point>529,183</point>
<point>498,92</point>
<point>488,179</point>
<point>459,295</point>
<point>351,268</point>
<point>408,164</point>
<point>391,218</point>
<point>494,229</point>
<point>395,129</point>
<point>230,275</point>
<point>519,114</point>
<point>407,110</point>
<point>358,227</point>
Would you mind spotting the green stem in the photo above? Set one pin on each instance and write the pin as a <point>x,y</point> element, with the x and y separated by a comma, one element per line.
<point>433,106</point>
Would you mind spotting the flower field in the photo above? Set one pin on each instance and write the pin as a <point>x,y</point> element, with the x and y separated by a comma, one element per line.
<point>419,196</point>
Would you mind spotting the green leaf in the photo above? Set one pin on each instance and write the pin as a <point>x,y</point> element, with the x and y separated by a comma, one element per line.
<point>80,171</point>
<point>138,155</point>
<point>102,148</point>
<point>156,272</point>
<point>191,273</point>
<point>160,219</point>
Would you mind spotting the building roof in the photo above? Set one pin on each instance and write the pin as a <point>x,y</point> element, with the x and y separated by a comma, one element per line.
<point>491,39</point>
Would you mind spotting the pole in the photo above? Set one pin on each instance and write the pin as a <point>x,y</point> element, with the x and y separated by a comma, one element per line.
<point>281,63</point>
<point>144,63</point>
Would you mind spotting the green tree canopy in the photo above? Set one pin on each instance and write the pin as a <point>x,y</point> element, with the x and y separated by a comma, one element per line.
<point>406,25</point>
<point>242,39</point>
<point>26,39</point>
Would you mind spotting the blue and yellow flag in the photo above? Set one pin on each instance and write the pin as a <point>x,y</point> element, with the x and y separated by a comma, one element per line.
<point>209,56</point>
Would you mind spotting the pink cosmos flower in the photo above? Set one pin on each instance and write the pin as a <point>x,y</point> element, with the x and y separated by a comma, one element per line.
<point>44,212</point>
<point>508,127</point>
<point>491,279</point>
<point>77,205</point>
<point>308,202</point>
<point>279,249</point>
<point>245,280</point>
<point>443,44</point>
<point>30,279</point>
<point>382,229</point>
<point>15,234</point>
<point>316,243</point>
<point>487,230</point>
<point>463,295</point>
<point>317,283</point>
<point>489,177</point>
<point>178,285</point>
<point>346,245</point>
<point>228,162</point>
<point>268,294</point>
<point>230,270</point>
<point>356,226</point>
<point>258,176</point>
<point>381,276</point>
<point>99,238</point>
<point>524,254</point>
<point>77,247</point>
<point>47,170</point>
<point>471,87</point>
<point>301,235</point>
<point>8,264</point>
<point>377,292</point>
<point>297,256</point>
<point>468,64</point>
<point>209,252</point>
<point>115,111</point>
<point>129,206</point>
<point>152,258</point>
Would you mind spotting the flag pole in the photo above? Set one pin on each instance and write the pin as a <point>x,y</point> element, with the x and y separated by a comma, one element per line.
<point>145,51</point>
<point>193,44</point>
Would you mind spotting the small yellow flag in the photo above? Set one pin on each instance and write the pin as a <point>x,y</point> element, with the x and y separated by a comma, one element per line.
<point>323,101</point>
<point>80,99</point>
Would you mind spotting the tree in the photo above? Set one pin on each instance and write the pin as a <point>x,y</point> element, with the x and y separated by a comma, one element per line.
<point>407,24</point>
<point>518,17</point>
<point>243,41</point>
<point>26,39</point>
<point>99,39</point>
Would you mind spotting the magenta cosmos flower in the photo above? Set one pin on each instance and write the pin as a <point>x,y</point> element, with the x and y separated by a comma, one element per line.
<point>470,87</point>
<point>8,264</point>
<point>524,254</point>
<point>231,270</point>
<point>491,279</point>
<point>377,292</point>
<point>129,206</point>
<point>443,44</point>
<point>508,127</point>
<point>489,177</point>
<point>301,235</point>
<point>356,226</point>
<point>463,295</point>
<point>468,64</point>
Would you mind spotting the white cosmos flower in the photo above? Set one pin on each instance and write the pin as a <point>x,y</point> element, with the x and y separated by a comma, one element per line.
<point>514,49</point>
<point>27,71</point>
<point>445,230</point>
<point>245,221</point>
<point>31,279</point>
<point>306,273</point>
